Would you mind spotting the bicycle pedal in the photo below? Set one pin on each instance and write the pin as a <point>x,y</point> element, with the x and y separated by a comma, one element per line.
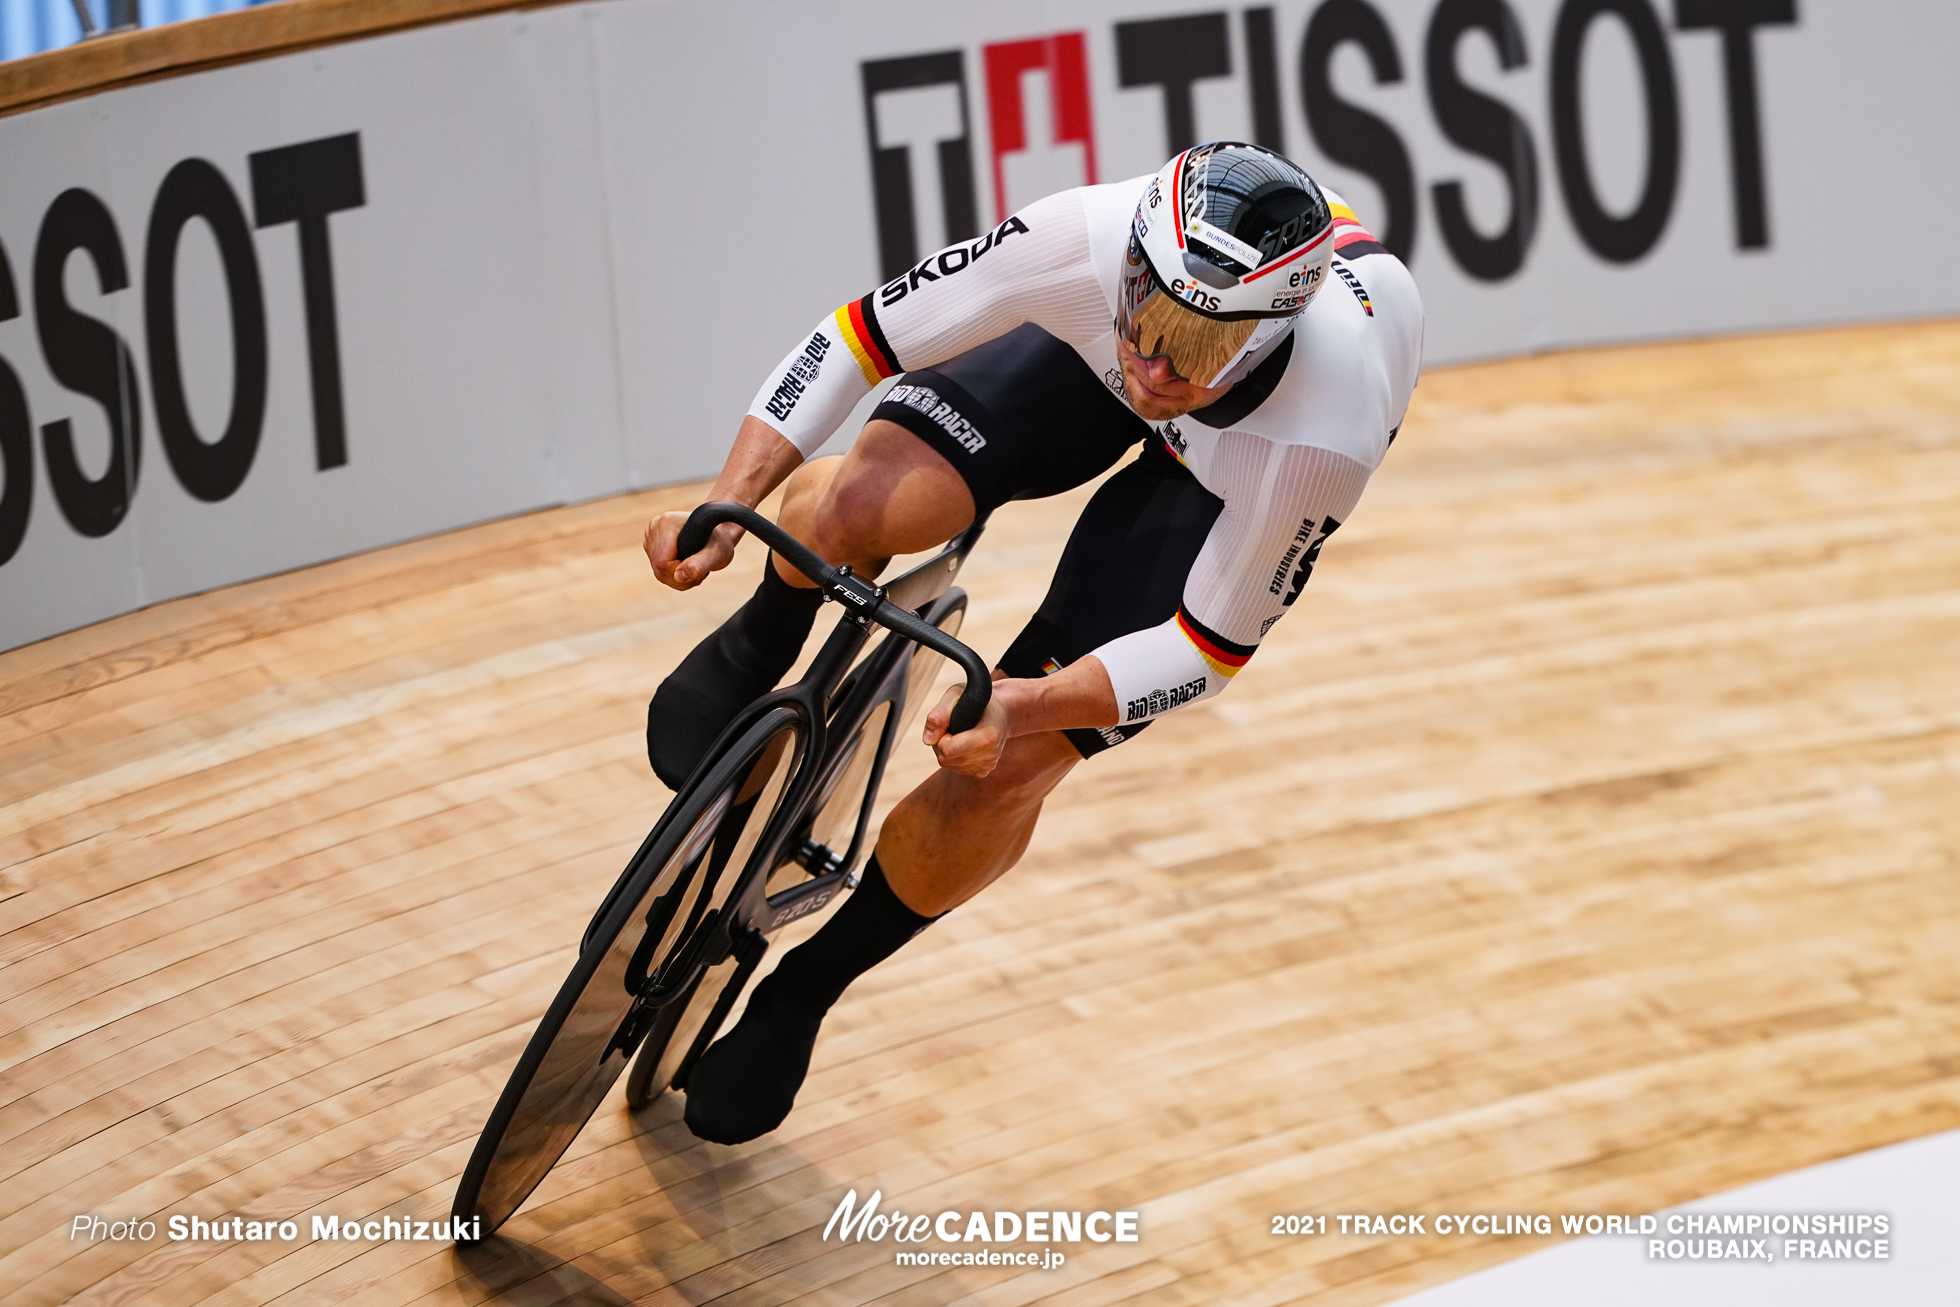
<point>818,859</point>
<point>717,950</point>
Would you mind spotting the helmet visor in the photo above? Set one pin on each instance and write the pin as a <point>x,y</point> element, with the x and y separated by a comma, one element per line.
<point>1158,324</point>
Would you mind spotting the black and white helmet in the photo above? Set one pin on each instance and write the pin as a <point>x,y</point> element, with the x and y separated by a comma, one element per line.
<point>1230,243</point>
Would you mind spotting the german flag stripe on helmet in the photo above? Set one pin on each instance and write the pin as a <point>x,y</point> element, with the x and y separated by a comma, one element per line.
<point>1220,654</point>
<point>1351,239</point>
<point>857,323</point>
<point>1177,198</point>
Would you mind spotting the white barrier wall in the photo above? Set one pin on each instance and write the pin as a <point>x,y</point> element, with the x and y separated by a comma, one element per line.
<point>270,314</point>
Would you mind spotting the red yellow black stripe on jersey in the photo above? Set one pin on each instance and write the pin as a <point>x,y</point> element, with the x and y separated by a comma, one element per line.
<point>1220,654</point>
<point>1351,239</point>
<point>857,323</point>
<point>1360,291</point>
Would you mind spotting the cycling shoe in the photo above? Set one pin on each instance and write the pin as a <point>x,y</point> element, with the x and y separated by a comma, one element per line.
<point>746,1083</point>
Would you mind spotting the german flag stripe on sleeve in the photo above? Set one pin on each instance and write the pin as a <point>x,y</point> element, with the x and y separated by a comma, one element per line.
<point>1220,654</point>
<point>1351,239</point>
<point>857,323</point>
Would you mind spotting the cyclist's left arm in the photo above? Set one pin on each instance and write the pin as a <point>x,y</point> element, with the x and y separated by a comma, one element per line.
<point>1078,695</point>
<point>1282,502</point>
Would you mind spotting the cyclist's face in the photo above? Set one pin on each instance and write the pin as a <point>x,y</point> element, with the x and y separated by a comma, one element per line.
<point>1155,391</point>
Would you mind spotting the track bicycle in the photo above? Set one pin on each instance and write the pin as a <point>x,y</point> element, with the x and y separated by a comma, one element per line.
<point>767,830</point>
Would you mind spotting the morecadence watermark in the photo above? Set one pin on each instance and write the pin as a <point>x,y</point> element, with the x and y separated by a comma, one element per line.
<point>851,1222</point>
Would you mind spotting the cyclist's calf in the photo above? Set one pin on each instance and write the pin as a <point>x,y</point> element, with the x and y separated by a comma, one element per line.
<point>954,835</point>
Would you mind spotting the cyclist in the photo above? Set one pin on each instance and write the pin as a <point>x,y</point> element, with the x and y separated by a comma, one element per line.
<point>1227,313</point>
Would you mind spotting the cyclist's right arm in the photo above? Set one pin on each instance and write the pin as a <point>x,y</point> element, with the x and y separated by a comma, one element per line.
<point>1032,267</point>
<point>760,461</point>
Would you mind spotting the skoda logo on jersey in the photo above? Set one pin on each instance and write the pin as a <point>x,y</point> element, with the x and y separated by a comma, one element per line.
<point>948,262</point>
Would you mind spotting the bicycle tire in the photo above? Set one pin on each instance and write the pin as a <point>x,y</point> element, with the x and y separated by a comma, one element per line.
<point>841,811</point>
<point>673,1044</point>
<point>949,615</point>
<point>624,978</point>
<point>674,1035</point>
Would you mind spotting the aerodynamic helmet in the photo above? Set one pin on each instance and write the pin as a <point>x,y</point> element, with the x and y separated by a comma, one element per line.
<point>1229,245</point>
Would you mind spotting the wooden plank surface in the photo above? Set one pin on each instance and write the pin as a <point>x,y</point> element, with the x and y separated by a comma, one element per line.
<point>1585,843</point>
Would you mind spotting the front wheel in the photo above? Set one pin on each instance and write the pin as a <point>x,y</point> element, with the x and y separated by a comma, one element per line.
<point>675,1040</point>
<point>645,955</point>
<point>840,827</point>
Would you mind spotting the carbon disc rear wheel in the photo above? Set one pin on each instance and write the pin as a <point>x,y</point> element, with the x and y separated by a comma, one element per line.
<point>645,956</point>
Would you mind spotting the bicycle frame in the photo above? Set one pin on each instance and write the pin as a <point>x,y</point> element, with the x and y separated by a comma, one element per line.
<point>836,696</point>
<point>701,876</point>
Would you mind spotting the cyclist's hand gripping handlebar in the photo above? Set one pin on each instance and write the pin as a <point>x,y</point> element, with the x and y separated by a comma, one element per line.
<point>854,592</point>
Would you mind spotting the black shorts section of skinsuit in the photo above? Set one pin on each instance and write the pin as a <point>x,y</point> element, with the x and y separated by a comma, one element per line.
<point>1123,570</point>
<point>1048,425</point>
<point>1041,420</point>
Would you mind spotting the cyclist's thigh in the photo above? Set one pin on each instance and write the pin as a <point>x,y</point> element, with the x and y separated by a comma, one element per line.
<point>1019,417</point>
<point>891,494</point>
<point>1123,570</point>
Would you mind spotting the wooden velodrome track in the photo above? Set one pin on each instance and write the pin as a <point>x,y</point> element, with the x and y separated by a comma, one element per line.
<point>1585,843</point>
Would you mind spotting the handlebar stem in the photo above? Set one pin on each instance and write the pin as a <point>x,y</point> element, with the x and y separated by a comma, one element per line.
<point>861,597</point>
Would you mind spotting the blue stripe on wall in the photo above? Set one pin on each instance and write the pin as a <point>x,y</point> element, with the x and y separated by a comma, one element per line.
<point>31,26</point>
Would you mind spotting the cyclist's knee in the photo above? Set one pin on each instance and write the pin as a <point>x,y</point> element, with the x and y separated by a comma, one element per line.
<point>892,494</point>
<point>848,522</point>
<point>803,499</point>
<point>805,489</point>
<point>836,525</point>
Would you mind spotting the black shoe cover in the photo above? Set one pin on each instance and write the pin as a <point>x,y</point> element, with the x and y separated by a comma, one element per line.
<point>746,1083</point>
<point>728,671</point>
<point>691,707</point>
